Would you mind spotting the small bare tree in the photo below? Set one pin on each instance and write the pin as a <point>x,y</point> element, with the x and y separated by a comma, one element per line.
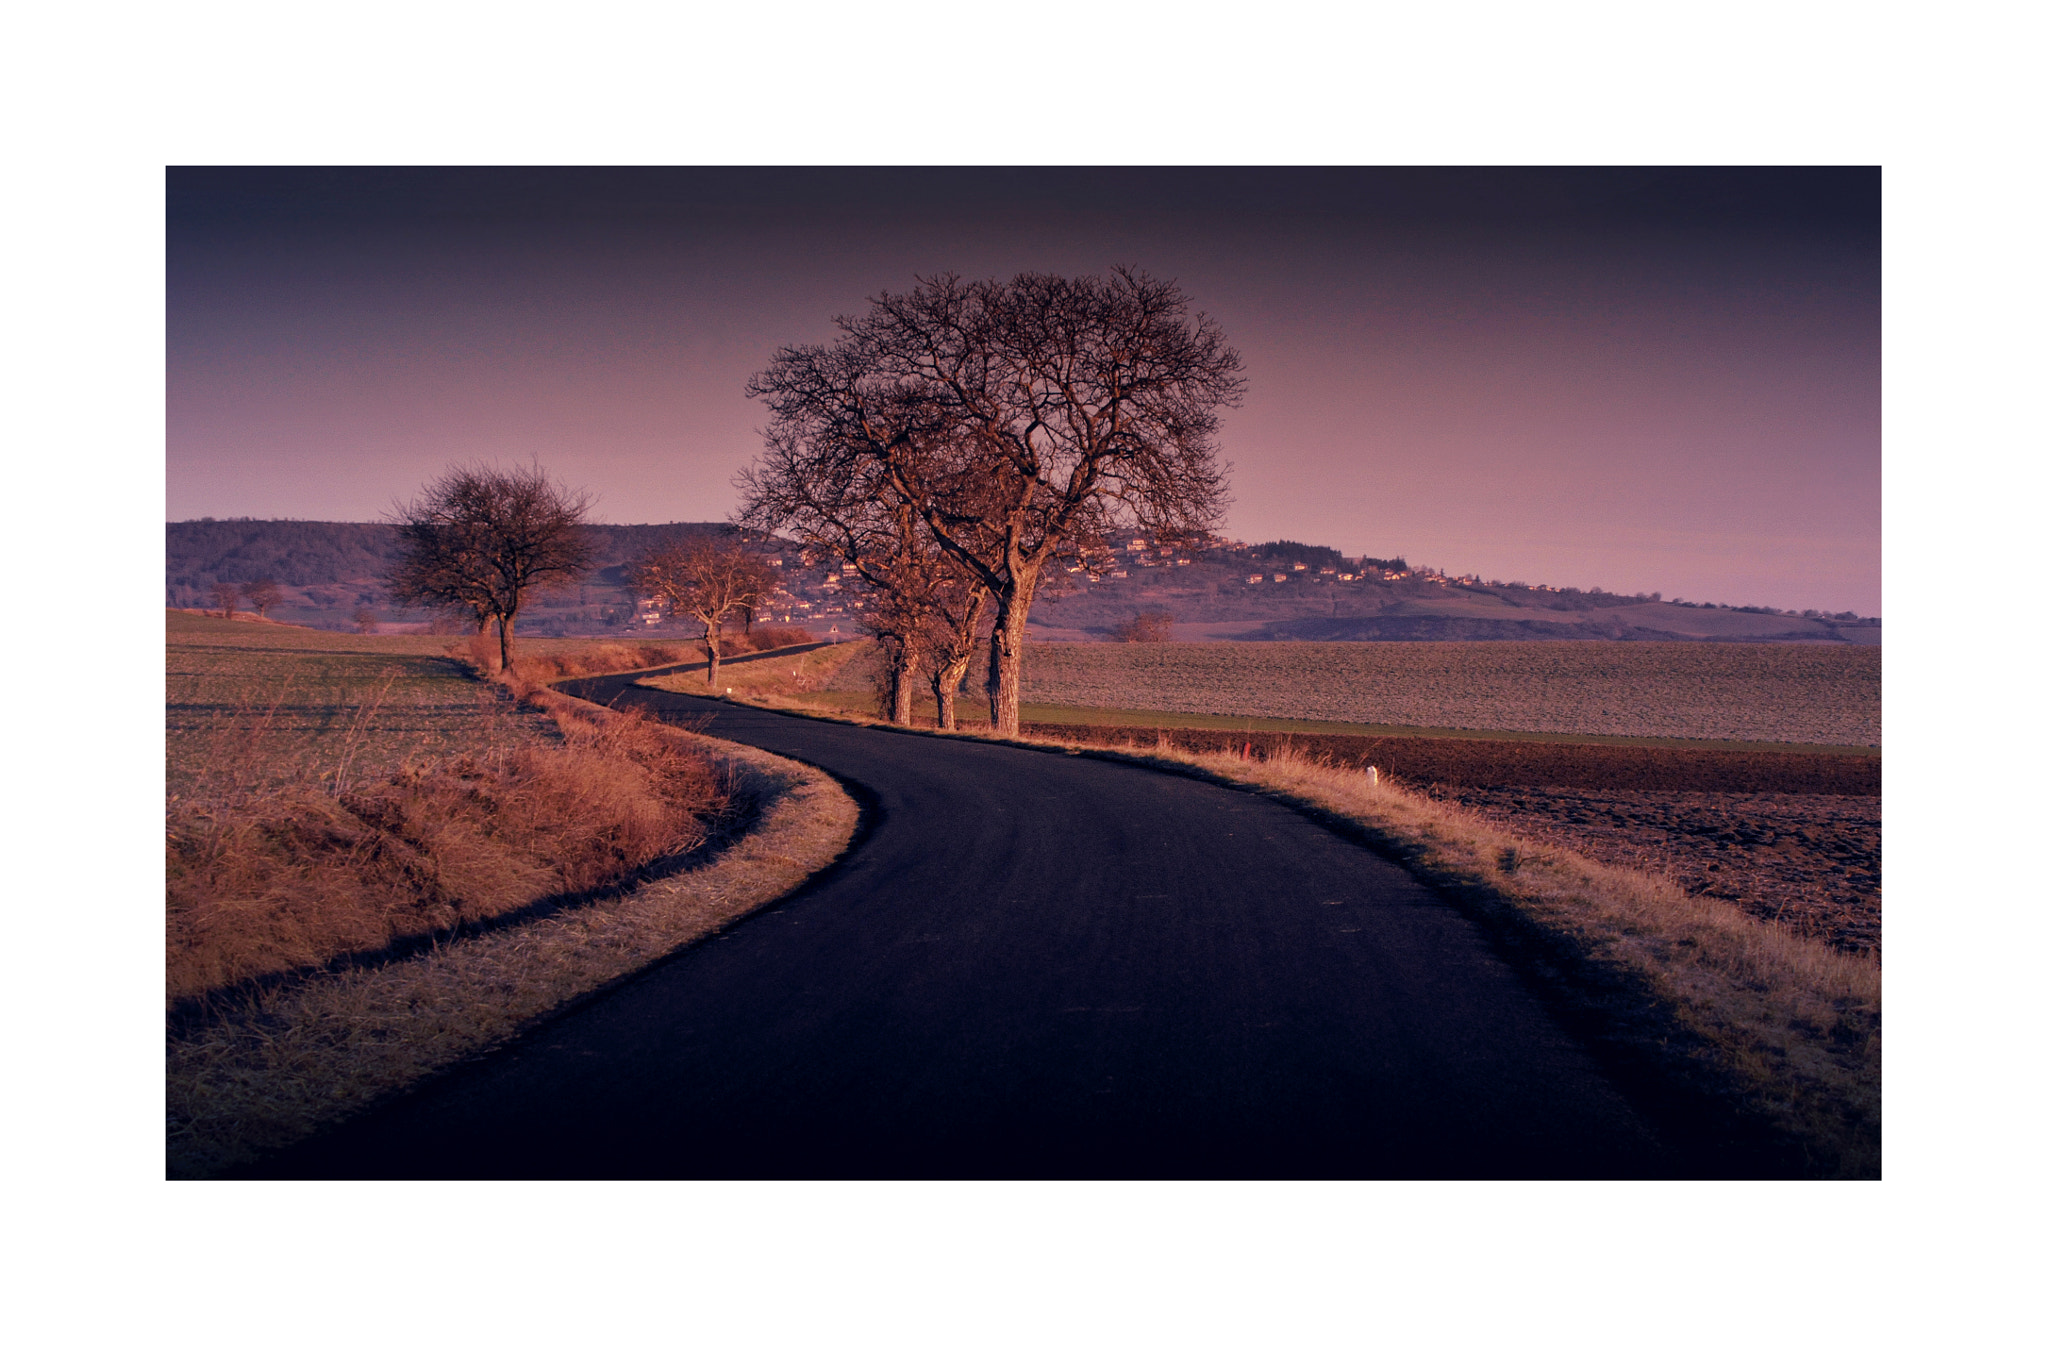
<point>261,595</point>
<point>478,539</point>
<point>366,621</point>
<point>225,596</point>
<point>708,580</point>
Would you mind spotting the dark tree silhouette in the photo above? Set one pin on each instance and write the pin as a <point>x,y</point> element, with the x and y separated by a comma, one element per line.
<point>478,539</point>
<point>1017,419</point>
<point>225,596</point>
<point>261,595</point>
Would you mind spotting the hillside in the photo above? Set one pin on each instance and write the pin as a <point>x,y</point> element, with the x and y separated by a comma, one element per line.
<point>1231,591</point>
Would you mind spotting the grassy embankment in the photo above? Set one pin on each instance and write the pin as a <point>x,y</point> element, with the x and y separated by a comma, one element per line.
<point>1710,998</point>
<point>349,804</point>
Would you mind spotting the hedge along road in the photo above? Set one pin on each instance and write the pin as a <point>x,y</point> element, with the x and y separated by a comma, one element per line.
<point>1038,965</point>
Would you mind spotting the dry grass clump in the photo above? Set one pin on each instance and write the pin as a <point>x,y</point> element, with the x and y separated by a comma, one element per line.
<point>275,1064</point>
<point>294,879</point>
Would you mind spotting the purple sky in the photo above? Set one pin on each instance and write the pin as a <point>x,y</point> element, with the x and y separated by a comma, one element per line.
<point>1638,379</point>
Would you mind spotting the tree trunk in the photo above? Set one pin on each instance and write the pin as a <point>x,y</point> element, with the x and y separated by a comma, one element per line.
<point>505,621</point>
<point>954,663</point>
<point>1006,658</point>
<point>711,653</point>
<point>902,688</point>
<point>946,688</point>
<point>947,676</point>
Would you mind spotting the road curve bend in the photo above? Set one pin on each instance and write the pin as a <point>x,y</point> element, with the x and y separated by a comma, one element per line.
<point>1036,965</point>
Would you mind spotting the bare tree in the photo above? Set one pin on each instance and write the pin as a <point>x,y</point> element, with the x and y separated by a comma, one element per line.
<point>1017,419</point>
<point>478,539</point>
<point>261,595</point>
<point>709,580</point>
<point>366,620</point>
<point>925,607</point>
<point>225,597</point>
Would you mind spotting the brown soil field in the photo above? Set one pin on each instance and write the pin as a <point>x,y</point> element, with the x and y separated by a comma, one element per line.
<point>1812,862</point>
<point>1420,759</point>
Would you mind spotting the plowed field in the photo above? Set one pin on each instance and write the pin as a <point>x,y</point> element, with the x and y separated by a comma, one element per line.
<point>1497,762</point>
<point>1813,862</point>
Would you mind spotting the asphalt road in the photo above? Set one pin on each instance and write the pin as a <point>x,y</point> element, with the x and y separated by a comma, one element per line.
<point>1038,965</point>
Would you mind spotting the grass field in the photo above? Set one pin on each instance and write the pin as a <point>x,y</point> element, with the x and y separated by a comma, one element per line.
<point>255,706</point>
<point>1621,690</point>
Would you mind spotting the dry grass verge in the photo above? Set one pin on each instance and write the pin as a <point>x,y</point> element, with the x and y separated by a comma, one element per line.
<point>532,671</point>
<point>806,672</point>
<point>1789,1025</point>
<point>291,1059</point>
<point>294,879</point>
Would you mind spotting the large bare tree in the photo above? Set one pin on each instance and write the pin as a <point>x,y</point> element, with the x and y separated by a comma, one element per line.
<point>707,579</point>
<point>479,539</point>
<point>1018,419</point>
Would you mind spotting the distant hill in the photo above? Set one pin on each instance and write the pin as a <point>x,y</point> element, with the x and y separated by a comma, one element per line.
<point>1302,592</point>
<point>327,570</point>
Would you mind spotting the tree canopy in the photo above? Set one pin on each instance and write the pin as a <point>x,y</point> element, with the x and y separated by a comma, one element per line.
<point>478,538</point>
<point>1016,422</point>
<point>708,579</point>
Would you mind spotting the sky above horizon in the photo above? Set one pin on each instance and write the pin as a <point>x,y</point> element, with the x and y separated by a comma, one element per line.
<point>1644,380</point>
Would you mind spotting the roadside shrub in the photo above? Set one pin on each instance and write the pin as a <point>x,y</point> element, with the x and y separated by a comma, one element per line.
<point>771,638</point>
<point>1154,624</point>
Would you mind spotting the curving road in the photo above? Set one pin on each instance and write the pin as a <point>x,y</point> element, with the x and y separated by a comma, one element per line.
<point>1037,965</point>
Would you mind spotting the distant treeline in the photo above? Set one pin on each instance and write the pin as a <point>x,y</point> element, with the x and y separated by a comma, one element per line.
<point>1287,553</point>
<point>198,552</point>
